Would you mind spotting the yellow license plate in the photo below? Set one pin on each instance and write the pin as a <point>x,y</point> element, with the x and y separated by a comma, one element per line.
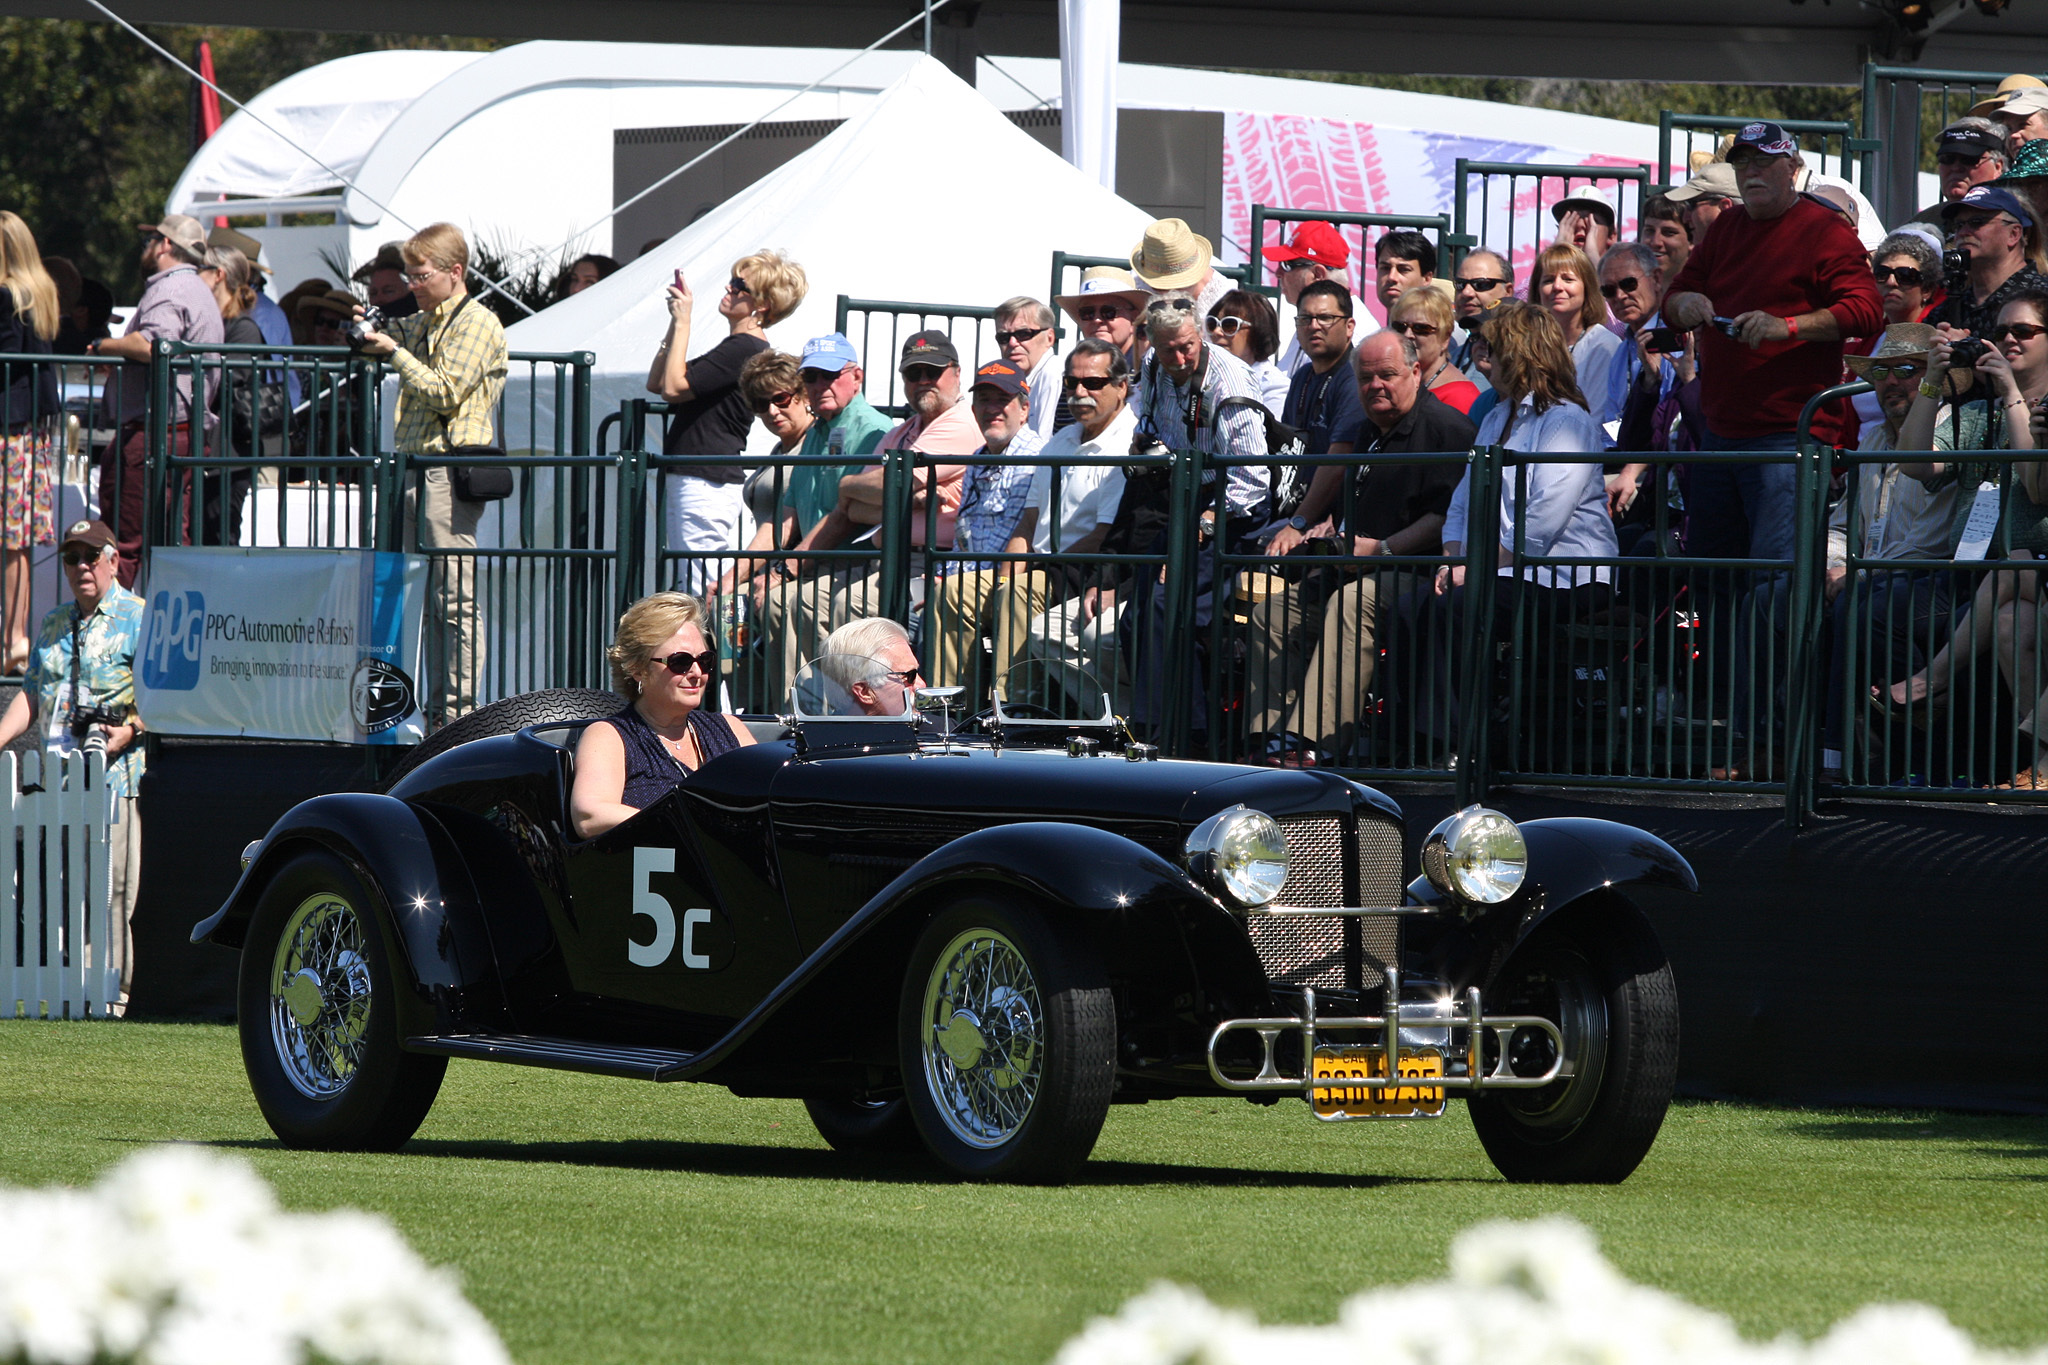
<point>1391,1102</point>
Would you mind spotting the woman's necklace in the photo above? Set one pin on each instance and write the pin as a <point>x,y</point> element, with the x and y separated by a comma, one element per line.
<point>678,748</point>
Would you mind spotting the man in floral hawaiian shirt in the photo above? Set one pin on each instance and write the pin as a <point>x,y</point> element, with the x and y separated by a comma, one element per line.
<point>100,628</point>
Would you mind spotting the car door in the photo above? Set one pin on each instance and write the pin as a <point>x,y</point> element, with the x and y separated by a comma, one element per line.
<point>673,927</point>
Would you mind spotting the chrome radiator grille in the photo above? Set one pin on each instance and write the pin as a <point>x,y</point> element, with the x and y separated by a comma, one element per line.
<point>1309,951</point>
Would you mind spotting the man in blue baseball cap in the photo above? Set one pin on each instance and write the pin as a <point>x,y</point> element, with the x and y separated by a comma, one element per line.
<point>799,610</point>
<point>1996,234</point>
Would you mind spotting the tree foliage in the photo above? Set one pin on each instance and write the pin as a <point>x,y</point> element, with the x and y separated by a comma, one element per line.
<point>97,128</point>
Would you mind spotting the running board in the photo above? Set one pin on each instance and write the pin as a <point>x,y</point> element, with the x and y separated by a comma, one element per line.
<point>562,1054</point>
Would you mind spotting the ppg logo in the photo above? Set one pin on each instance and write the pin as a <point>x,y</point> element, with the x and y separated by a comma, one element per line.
<point>170,640</point>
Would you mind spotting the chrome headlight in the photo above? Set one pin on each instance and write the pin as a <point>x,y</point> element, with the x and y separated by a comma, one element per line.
<point>1242,853</point>
<point>1477,855</point>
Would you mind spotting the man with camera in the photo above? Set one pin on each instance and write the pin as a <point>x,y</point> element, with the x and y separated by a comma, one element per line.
<point>1985,264</point>
<point>451,362</point>
<point>80,691</point>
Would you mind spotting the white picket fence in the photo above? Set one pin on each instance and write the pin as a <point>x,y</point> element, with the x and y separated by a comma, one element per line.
<point>54,926</point>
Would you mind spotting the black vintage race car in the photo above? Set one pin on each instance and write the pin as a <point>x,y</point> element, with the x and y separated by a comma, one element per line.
<point>972,941</point>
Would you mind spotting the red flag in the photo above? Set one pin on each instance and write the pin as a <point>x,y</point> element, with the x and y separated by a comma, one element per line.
<point>208,121</point>
<point>209,102</point>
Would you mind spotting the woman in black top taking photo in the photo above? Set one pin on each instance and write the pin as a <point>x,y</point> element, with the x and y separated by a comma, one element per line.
<point>711,417</point>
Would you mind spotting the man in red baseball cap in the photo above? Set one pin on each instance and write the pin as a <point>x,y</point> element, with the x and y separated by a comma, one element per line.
<point>1318,252</point>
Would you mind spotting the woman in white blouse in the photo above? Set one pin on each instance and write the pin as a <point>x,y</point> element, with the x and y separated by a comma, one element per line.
<point>1568,287</point>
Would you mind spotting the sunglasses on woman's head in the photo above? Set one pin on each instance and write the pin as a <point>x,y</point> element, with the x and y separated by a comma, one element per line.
<point>682,662</point>
<point>1414,329</point>
<point>1230,327</point>
<point>2018,331</point>
<point>1909,276</point>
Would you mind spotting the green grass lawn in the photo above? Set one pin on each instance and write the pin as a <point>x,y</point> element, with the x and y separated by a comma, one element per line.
<point>597,1220</point>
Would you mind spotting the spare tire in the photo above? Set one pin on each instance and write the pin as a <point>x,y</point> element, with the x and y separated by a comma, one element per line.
<point>509,717</point>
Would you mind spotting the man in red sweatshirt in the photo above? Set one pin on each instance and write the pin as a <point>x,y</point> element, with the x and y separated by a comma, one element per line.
<point>1773,289</point>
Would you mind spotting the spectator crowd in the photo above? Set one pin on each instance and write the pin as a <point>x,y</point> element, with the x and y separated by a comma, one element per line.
<point>1651,391</point>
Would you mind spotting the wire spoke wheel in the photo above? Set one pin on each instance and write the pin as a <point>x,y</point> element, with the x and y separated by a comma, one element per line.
<point>1008,1041</point>
<point>984,1037</point>
<point>320,994</point>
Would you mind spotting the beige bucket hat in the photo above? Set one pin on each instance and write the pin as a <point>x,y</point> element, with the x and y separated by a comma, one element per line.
<point>1172,256</point>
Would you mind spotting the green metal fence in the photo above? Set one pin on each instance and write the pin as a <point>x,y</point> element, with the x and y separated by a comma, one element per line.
<point>1903,108</point>
<point>1437,226</point>
<point>1505,206</point>
<point>1833,145</point>
<point>878,329</point>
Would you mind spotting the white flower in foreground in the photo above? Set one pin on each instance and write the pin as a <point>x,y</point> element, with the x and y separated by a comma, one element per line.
<point>1534,1293</point>
<point>182,1257</point>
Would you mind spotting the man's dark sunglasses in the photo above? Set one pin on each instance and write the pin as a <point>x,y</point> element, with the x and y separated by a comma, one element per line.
<point>924,374</point>
<point>1480,284</point>
<point>1299,263</point>
<point>75,558</point>
<point>1627,286</point>
<point>681,662</point>
<point>900,676</point>
<point>1106,312</point>
<point>1908,276</point>
<point>1020,334</point>
<point>1094,383</point>
<point>1959,158</point>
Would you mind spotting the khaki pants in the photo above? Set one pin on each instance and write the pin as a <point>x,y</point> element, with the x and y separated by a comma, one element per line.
<point>124,879</point>
<point>1315,684</point>
<point>454,645</point>
<point>965,605</point>
<point>800,612</point>
<point>1058,636</point>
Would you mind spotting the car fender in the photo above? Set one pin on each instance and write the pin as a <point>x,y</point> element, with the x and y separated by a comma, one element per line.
<point>1126,897</point>
<point>1571,858</point>
<point>425,906</point>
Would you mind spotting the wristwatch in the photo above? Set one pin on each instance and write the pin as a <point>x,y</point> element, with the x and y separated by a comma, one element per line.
<point>1297,523</point>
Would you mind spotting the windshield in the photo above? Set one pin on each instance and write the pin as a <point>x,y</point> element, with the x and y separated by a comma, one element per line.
<point>851,687</point>
<point>1050,692</point>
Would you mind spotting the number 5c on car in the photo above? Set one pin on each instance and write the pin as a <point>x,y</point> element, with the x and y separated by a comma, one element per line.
<point>651,903</point>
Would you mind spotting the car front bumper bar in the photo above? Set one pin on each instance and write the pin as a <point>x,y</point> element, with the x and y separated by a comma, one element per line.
<point>1467,1015</point>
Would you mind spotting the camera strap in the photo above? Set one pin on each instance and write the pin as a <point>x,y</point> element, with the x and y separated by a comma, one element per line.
<point>77,662</point>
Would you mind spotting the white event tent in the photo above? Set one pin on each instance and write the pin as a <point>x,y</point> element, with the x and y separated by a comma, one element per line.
<point>928,194</point>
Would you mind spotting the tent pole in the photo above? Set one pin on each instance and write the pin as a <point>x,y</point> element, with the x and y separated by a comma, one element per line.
<point>927,28</point>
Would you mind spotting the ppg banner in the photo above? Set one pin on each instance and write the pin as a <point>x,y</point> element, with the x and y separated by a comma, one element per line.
<point>283,644</point>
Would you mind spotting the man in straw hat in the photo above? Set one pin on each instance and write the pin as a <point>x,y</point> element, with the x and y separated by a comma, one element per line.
<point>1172,258</point>
<point>1106,308</point>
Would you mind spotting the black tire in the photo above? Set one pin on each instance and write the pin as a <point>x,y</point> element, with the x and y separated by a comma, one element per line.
<point>1598,972</point>
<point>509,717</point>
<point>1021,1094</point>
<point>318,1015</point>
<point>868,1126</point>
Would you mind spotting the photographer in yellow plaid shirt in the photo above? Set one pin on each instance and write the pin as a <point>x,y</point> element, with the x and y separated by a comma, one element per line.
<point>451,361</point>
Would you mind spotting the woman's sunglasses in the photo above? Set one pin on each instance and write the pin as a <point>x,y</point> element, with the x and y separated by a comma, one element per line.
<point>2018,331</point>
<point>681,662</point>
<point>780,400</point>
<point>1910,277</point>
<point>1414,329</point>
<point>1230,327</point>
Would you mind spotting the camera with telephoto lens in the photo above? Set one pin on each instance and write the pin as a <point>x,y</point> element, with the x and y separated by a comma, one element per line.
<point>86,722</point>
<point>359,329</point>
<point>1955,271</point>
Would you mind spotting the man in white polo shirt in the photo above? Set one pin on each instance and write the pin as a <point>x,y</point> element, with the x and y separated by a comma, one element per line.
<point>1081,629</point>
